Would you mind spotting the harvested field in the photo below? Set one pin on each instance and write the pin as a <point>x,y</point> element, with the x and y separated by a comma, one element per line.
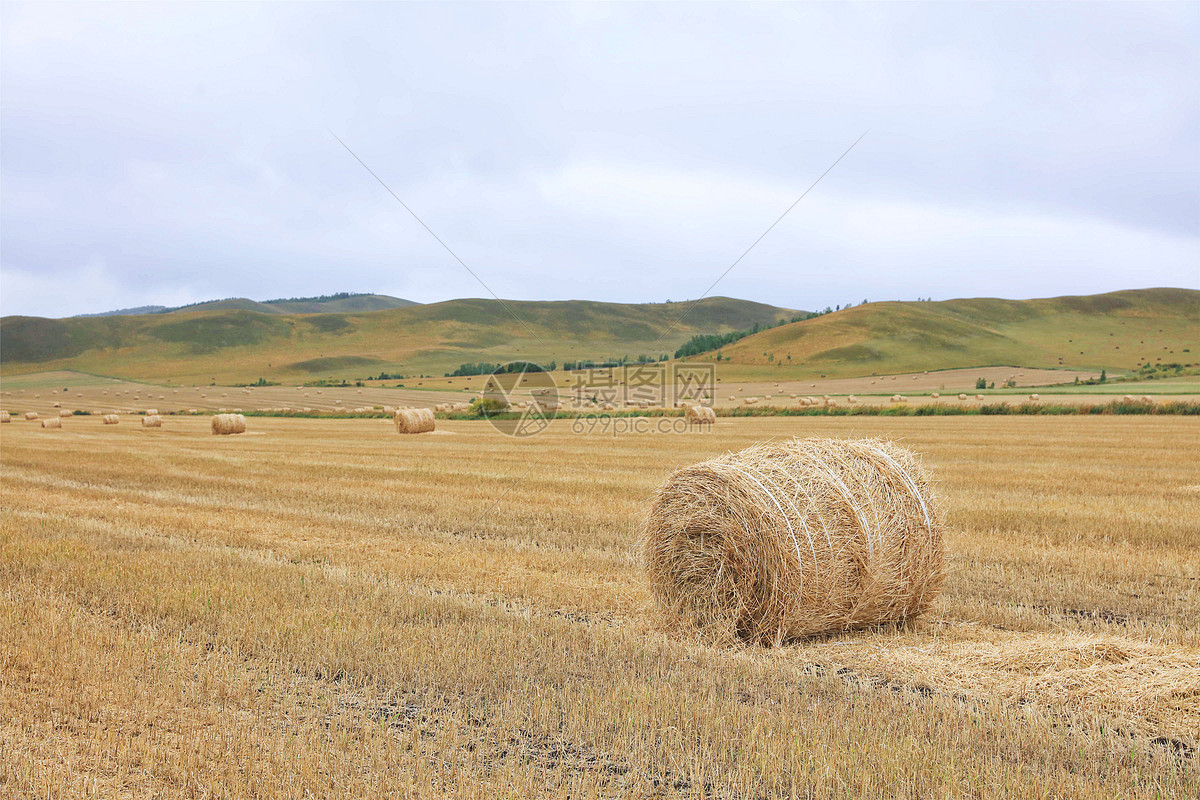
<point>325,607</point>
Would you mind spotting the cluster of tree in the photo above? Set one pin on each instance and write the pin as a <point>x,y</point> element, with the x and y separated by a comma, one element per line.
<point>324,298</point>
<point>500,369</point>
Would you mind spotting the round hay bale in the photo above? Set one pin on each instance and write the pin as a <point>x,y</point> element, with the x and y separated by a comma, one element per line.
<point>700,415</point>
<point>979,397</point>
<point>227,424</point>
<point>790,539</point>
<point>935,396</point>
<point>607,407</point>
<point>31,415</point>
<point>1034,397</point>
<point>851,399</point>
<point>58,405</point>
<point>897,398</point>
<point>52,422</point>
<point>66,412</point>
<point>413,420</point>
<point>152,421</point>
<point>830,403</point>
<point>5,416</point>
<point>962,397</point>
<point>750,401</point>
<point>1127,398</point>
<point>151,412</point>
<point>111,419</point>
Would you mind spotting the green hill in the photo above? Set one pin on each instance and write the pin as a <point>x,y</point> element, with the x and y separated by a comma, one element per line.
<point>334,303</point>
<point>242,344</point>
<point>1115,331</point>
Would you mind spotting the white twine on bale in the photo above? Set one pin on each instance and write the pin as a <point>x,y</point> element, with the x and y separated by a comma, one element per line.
<point>803,524</point>
<point>782,513</point>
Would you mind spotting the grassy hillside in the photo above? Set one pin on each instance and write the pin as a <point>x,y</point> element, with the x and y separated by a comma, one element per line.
<point>331,304</point>
<point>241,345</point>
<point>1116,331</point>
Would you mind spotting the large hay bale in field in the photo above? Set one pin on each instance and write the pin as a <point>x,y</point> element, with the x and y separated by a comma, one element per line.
<point>52,422</point>
<point>226,424</point>
<point>700,415</point>
<point>31,415</point>
<point>5,416</point>
<point>111,419</point>
<point>152,421</point>
<point>980,397</point>
<point>962,397</point>
<point>413,420</point>
<point>790,539</point>
<point>1034,397</point>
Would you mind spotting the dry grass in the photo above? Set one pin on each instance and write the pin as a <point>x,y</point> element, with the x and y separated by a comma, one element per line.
<point>308,612</point>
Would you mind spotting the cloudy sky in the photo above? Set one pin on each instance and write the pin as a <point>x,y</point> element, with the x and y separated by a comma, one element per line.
<point>172,153</point>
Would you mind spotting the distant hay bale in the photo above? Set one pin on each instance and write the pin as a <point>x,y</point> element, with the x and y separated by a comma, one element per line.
<point>111,419</point>
<point>790,539</point>
<point>31,415</point>
<point>700,415</point>
<point>607,407</point>
<point>52,422</point>
<point>831,402</point>
<point>66,412</point>
<point>898,398</point>
<point>1128,398</point>
<point>226,424</point>
<point>962,397</point>
<point>5,416</point>
<point>151,412</point>
<point>750,400</point>
<point>152,421</point>
<point>793,397</point>
<point>1034,397</point>
<point>935,396</point>
<point>1147,398</point>
<point>413,420</point>
<point>979,397</point>
<point>851,399</point>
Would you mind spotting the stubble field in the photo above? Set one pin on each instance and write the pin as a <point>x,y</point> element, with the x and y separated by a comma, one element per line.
<point>324,608</point>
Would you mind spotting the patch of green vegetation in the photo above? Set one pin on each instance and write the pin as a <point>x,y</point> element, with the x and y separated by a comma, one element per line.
<point>332,363</point>
<point>208,334</point>
<point>331,323</point>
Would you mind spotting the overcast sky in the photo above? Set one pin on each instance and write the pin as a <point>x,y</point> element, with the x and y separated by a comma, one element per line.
<point>171,153</point>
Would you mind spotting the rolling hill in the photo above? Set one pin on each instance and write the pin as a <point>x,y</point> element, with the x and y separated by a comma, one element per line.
<point>242,344</point>
<point>336,303</point>
<point>1115,331</point>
